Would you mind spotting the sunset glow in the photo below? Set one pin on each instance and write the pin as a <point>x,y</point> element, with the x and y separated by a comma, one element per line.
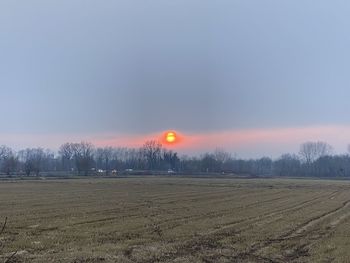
<point>170,137</point>
<point>246,143</point>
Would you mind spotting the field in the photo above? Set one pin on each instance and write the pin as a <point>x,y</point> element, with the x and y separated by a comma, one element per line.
<point>176,220</point>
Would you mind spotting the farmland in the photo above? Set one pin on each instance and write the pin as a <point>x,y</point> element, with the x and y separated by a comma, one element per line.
<point>154,219</point>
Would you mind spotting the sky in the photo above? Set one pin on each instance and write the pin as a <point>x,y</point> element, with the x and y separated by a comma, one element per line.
<point>256,78</point>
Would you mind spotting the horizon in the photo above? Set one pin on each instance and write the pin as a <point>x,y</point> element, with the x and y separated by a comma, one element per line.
<point>241,138</point>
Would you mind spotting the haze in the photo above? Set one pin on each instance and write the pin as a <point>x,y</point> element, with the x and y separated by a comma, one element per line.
<point>254,77</point>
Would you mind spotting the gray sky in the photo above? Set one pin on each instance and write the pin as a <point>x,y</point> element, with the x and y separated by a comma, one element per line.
<point>196,66</point>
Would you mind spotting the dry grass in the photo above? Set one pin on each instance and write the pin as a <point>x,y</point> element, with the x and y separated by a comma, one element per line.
<point>176,220</point>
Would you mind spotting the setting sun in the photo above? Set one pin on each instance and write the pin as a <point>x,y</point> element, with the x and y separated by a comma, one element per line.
<point>170,137</point>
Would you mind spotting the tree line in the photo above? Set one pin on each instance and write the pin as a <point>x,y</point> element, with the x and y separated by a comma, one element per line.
<point>314,159</point>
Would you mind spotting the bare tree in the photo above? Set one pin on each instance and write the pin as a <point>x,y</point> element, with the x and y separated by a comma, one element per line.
<point>117,158</point>
<point>38,156</point>
<point>123,158</point>
<point>49,162</point>
<point>8,160</point>
<point>170,159</point>
<point>104,157</point>
<point>32,160</point>
<point>311,151</point>
<point>152,153</point>
<point>83,156</point>
<point>222,157</point>
<point>287,165</point>
<point>5,152</point>
<point>263,166</point>
<point>66,153</point>
<point>209,163</point>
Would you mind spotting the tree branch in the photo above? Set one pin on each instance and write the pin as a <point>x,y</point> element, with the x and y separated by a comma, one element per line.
<point>3,226</point>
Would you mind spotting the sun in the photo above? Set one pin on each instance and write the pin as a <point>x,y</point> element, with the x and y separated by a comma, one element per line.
<point>170,137</point>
